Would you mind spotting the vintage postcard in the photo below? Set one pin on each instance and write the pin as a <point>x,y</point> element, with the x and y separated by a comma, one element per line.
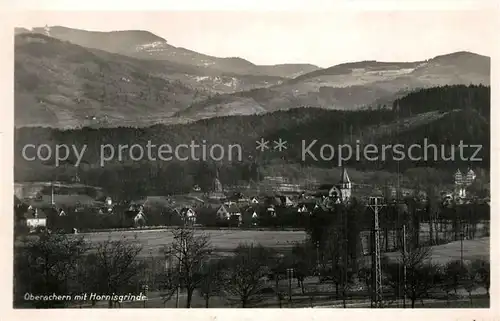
<point>333,159</point>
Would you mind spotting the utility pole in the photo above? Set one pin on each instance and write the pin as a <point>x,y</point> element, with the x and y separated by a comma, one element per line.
<point>317,259</point>
<point>461,243</point>
<point>289,273</point>
<point>376,203</point>
<point>404,266</point>
<point>344,212</point>
<point>180,270</point>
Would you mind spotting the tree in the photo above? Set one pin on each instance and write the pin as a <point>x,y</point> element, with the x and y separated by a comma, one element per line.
<point>113,266</point>
<point>336,254</point>
<point>365,275</point>
<point>47,265</point>
<point>245,273</point>
<point>277,272</point>
<point>421,274</point>
<point>211,275</point>
<point>455,272</point>
<point>167,280</point>
<point>190,251</point>
<point>470,281</point>
<point>332,265</point>
<point>303,261</point>
<point>482,270</point>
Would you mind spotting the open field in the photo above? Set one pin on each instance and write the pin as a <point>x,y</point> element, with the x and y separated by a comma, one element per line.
<point>222,240</point>
<point>227,240</point>
<point>472,249</point>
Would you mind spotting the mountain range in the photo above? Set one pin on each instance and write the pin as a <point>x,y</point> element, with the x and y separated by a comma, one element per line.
<point>71,78</point>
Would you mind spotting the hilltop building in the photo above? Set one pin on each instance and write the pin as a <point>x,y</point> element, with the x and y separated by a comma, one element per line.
<point>462,181</point>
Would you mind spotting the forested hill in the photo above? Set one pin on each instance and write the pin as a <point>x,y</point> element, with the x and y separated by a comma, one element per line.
<point>443,115</point>
<point>445,98</point>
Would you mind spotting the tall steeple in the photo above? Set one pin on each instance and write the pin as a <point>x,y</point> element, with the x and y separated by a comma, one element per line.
<point>216,185</point>
<point>345,185</point>
<point>344,179</point>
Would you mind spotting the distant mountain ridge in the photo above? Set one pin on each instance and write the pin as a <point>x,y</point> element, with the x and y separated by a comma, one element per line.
<point>352,85</point>
<point>71,78</point>
<point>146,45</point>
<point>65,85</point>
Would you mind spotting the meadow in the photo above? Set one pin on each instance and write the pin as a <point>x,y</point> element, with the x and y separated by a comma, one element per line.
<point>226,240</point>
<point>222,240</point>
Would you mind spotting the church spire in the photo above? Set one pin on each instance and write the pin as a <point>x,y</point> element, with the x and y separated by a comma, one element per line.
<point>344,179</point>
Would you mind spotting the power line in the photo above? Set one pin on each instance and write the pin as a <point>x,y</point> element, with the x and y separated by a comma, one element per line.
<point>376,203</point>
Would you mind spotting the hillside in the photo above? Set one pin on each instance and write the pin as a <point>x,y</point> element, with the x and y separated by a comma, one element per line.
<point>145,45</point>
<point>64,85</point>
<point>467,120</point>
<point>351,86</point>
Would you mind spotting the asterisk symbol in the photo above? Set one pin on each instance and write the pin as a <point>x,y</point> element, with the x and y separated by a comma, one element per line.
<point>262,144</point>
<point>280,145</point>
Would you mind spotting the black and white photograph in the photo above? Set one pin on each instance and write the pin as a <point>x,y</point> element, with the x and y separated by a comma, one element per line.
<point>244,159</point>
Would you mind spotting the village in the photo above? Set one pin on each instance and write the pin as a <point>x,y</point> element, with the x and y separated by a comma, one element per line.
<point>38,205</point>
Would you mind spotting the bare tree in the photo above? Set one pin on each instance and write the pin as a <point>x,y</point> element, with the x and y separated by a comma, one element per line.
<point>190,251</point>
<point>482,269</point>
<point>303,261</point>
<point>113,266</point>
<point>470,280</point>
<point>167,282</point>
<point>211,275</point>
<point>277,271</point>
<point>333,264</point>
<point>455,272</point>
<point>421,273</point>
<point>47,264</point>
<point>246,271</point>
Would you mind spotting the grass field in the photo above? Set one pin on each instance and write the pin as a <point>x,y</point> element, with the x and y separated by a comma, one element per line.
<point>227,240</point>
<point>221,240</point>
<point>472,249</point>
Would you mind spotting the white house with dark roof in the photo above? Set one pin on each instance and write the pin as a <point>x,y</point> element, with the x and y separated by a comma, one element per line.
<point>227,212</point>
<point>35,218</point>
<point>188,214</point>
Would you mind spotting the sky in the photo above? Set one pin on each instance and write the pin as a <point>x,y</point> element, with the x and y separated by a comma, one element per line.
<point>323,38</point>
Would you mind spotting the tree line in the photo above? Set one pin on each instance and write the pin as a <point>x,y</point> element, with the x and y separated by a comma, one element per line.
<point>466,119</point>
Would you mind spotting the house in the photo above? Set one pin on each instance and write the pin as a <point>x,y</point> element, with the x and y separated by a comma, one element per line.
<point>462,181</point>
<point>229,212</point>
<point>35,218</point>
<point>251,215</point>
<point>188,214</point>
<point>223,213</point>
<point>254,200</point>
<point>285,201</point>
<point>306,207</point>
<point>271,210</point>
<point>140,218</point>
<point>229,203</point>
<point>272,201</point>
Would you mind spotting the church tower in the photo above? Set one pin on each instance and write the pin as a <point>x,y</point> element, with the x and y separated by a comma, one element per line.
<point>216,184</point>
<point>345,186</point>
